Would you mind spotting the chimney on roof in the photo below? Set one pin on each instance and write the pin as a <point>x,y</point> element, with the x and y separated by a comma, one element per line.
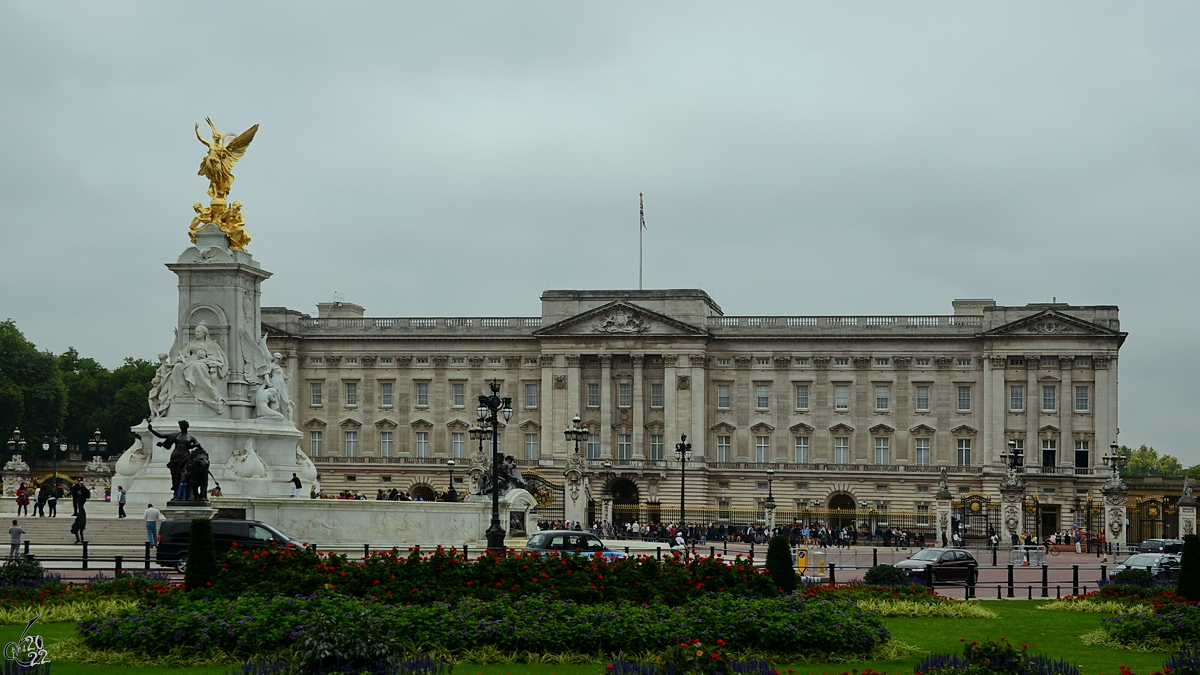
<point>972,307</point>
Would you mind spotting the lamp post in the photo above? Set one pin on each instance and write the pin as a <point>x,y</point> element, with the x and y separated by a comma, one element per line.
<point>1014,455</point>
<point>58,443</point>
<point>16,444</point>
<point>576,432</point>
<point>1114,459</point>
<point>683,452</point>
<point>769,502</point>
<point>97,445</point>
<point>450,465</point>
<point>490,409</point>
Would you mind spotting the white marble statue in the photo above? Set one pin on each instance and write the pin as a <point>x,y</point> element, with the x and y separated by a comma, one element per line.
<point>305,469</point>
<point>159,397</point>
<point>277,380</point>
<point>133,461</point>
<point>266,404</point>
<point>17,464</point>
<point>246,463</point>
<point>199,369</point>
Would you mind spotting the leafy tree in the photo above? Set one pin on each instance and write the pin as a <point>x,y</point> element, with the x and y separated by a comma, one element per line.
<point>779,561</point>
<point>1145,461</point>
<point>1194,472</point>
<point>111,401</point>
<point>33,396</point>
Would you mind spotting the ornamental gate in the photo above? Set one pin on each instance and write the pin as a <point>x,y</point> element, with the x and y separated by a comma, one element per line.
<point>550,497</point>
<point>975,516</point>
<point>1151,517</point>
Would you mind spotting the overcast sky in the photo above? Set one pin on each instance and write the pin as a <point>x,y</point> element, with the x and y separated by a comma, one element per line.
<point>450,159</point>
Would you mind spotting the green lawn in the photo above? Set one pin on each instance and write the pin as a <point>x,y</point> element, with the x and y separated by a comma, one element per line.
<point>1054,633</point>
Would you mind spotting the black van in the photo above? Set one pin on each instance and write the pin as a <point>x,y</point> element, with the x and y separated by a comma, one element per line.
<point>173,538</point>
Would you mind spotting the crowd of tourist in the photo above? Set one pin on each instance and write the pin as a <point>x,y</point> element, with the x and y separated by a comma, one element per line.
<point>393,495</point>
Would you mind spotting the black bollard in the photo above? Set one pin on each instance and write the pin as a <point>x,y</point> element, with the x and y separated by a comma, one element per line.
<point>466,553</point>
<point>994,549</point>
<point>712,551</point>
<point>85,548</point>
<point>366,551</point>
<point>147,556</point>
<point>999,594</point>
<point>929,576</point>
<point>27,549</point>
<point>1010,580</point>
<point>1074,579</point>
<point>119,560</point>
<point>627,551</point>
<point>832,574</point>
<point>1030,592</point>
<point>1058,592</point>
<point>874,557</point>
<point>658,552</point>
<point>725,546</point>
<point>1045,581</point>
<point>1103,572</point>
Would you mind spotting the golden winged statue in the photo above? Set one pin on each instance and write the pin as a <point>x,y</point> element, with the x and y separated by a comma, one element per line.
<point>223,151</point>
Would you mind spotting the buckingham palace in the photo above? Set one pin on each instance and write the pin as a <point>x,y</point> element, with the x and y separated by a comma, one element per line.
<point>839,419</point>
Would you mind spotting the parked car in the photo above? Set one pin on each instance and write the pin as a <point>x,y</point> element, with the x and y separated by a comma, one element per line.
<point>571,542</point>
<point>1161,565</point>
<point>173,539</point>
<point>1161,546</point>
<point>948,564</point>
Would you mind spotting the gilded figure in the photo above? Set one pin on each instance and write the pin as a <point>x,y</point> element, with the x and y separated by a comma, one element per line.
<point>223,151</point>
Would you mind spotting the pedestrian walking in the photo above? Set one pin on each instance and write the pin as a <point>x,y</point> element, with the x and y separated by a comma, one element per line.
<point>14,536</point>
<point>52,499</point>
<point>22,500</point>
<point>79,525</point>
<point>120,501</point>
<point>152,516</point>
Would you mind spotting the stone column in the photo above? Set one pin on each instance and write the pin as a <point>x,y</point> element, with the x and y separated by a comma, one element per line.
<point>1066,412</point>
<point>769,508</point>
<point>1116,499</point>
<point>576,499</point>
<point>639,408</point>
<point>606,407</point>
<point>670,405</point>
<point>944,498</point>
<point>1012,491</point>
<point>1187,510</point>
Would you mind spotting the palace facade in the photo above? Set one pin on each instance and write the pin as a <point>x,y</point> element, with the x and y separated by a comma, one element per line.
<point>839,419</point>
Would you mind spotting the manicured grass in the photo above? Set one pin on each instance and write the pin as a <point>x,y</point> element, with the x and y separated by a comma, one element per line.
<point>1054,633</point>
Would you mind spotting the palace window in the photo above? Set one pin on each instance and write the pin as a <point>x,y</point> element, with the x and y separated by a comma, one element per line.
<point>964,399</point>
<point>883,452</point>
<point>1083,401</point>
<point>762,394</point>
<point>458,445</point>
<point>841,450</point>
<point>841,362</point>
<point>351,444</point>
<point>723,396</point>
<point>593,446</point>
<point>1016,398</point>
<point>351,393</point>
<point>422,394</point>
<point>531,446</point>
<point>722,448</point>
<point>1049,398</point>
<point>624,394</point>
<point>385,444</point>
<point>422,444</point>
<point>922,362</point>
<point>656,395</point>
<point>1049,452</point>
<point>458,391</point>
<point>964,452</point>
<point>314,443</point>
<point>656,446</point>
<point>922,458</point>
<point>1083,455</point>
<point>841,397</point>
<point>922,398</point>
<point>531,395</point>
<point>882,398</point>
<point>385,393</point>
<point>762,449</point>
<point>624,446</point>
<point>802,397</point>
<point>802,450</point>
<point>964,362</point>
<point>314,393</point>
<point>593,395</point>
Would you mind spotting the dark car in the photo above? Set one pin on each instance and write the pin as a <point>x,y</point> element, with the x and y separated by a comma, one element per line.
<point>1161,546</point>
<point>1162,565</point>
<point>250,534</point>
<point>571,542</point>
<point>947,564</point>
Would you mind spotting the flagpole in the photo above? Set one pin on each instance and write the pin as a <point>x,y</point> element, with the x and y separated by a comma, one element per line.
<point>642,216</point>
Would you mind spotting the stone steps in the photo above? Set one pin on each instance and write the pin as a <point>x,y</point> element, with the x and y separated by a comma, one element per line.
<point>131,530</point>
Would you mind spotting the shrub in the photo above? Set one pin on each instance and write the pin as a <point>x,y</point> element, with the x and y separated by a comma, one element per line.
<point>1174,622</point>
<point>201,556</point>
<point>20,571</point>
<point>692,657</point>
<point>1189,569</point>
<point>253,625</point>
<point>887,575</point>
<point>1185,662</point>
<point>1134,577</point>
<point>779,562</point>
<point>993,657</point>
<point>422,664</point>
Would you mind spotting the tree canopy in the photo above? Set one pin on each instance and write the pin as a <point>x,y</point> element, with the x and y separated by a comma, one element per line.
<point>1145,461</point>
<point>41,393</point>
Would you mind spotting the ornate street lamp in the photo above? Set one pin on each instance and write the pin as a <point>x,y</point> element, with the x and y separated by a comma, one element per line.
<point>97,445</point>
<point>15,443</point>
<point>1114,459</point>
<point>450,465</point>
<point>490,409</point>
<point>56,442</point>
<point>576,432</point>
<point>608,497</point>
<point>770,488</point>
<point>683,452</point>
<point>1014,455</point>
